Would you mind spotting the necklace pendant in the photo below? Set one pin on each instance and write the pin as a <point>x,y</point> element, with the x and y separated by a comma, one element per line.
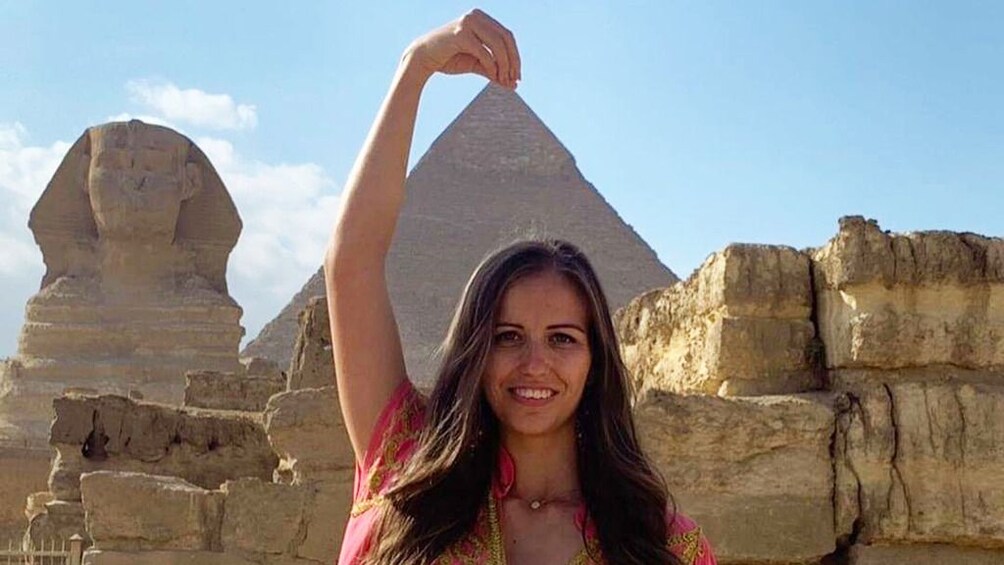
<point>535,505</point>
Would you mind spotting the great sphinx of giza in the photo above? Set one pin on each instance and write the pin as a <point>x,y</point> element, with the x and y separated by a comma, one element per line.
<point>135,229</point>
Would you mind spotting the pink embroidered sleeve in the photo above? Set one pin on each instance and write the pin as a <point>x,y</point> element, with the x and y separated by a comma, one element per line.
<point>687,541</point>
<point>391,444</point>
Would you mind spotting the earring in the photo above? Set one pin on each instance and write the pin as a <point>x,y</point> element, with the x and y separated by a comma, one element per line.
<point>578,430</point>
<point>477,441</point>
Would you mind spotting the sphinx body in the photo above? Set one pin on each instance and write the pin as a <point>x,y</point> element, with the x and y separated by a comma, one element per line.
<point>135,229</point>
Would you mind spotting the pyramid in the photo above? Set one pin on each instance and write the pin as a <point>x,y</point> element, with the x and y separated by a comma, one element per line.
<point>495,174</point>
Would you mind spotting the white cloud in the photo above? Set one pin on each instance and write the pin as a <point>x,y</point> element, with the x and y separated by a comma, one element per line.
<point>24,172</point>
<point>288,211</point>
<point>193,106</point>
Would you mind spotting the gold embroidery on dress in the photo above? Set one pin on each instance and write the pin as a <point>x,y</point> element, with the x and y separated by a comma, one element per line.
<point>691,542</point>
<point>388,463</point>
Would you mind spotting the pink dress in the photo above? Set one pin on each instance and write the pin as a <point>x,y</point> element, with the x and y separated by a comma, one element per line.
<point>393,442</point>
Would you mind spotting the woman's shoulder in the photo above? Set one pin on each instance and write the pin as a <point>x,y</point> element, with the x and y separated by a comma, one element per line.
<point>391,445</point>
<point>687,541</point>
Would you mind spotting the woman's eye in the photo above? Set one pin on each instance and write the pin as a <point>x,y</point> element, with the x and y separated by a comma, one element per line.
<point>506,337</point>
<point>563,339</point>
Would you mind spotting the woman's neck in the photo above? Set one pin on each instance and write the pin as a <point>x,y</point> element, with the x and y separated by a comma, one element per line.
<point>546,466</point>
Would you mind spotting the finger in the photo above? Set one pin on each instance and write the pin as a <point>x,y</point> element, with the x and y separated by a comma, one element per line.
<point>491,38</point>
<point>515,63</point>
<point>477,50</point>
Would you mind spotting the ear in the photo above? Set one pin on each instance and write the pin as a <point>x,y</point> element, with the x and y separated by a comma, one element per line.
<point>61,220</point>
<point>193,181</point>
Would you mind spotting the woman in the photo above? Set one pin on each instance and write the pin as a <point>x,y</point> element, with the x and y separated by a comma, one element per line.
<point>525,451</point>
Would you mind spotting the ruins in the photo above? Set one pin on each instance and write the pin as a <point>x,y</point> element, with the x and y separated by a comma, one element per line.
<point>833,405</point>
<point>494,174</point>
<point>135,229</point>
<point>830,450</point>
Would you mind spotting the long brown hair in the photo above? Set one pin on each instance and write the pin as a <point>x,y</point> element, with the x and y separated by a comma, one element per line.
<point>436,500</point>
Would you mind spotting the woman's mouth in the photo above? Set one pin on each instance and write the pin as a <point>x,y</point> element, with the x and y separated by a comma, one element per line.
<point>532,396</point>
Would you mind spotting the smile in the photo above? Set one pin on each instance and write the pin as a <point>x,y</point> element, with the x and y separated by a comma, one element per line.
<point>532,393</point>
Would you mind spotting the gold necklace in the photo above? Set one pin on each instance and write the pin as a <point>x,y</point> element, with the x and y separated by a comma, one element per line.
<point>496,547</point>
<point>538,503</point>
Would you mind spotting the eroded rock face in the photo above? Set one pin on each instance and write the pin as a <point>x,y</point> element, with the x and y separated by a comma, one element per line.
<point>732,462</point>
<point>232,391</point>
<point>894,301</point>
<point>313,365</point>
<point>308,433</point>
<point>921,462</point>
<point>115,433</point>
<point>739,326</point>
<point>923,554</point>
<point>135,511</point>
<point>135,229</point>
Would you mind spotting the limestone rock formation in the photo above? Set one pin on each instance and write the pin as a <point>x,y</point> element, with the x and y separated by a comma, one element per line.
<point>312,365</point>
<point>740,325</point>
<point>897,460</point>
<point>890,301</point>
<point>295,519</point>
<point>111,433</point>
<point>733,462</point>
<point>119,517</point>
<point>924,554</point>
<point>307,432</point>
<point>921,462</point>
<point>495,174</point>
<point>135,229</point>
<point>247,390</point>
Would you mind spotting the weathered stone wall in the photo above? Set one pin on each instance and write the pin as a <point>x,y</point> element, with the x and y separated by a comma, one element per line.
<point>247,390</point>
<point>782,450</point>
<point>111,433</point>
<point>312,365</point>
<point>295,515</point>
<point>897,455</point>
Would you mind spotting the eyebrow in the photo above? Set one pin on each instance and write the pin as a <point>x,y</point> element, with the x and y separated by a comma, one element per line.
<point>551,327</point>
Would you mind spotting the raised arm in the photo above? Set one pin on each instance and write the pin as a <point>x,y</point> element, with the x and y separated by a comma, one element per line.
<point>369,363</point>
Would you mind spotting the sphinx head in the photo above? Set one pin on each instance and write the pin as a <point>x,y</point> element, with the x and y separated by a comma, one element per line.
<point>134,183</point>
<point>138,177</point>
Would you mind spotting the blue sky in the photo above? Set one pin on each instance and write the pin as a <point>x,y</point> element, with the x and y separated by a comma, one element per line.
<point>702,123</point>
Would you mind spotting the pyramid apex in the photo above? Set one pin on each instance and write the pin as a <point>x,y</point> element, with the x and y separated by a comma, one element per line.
<point>498,132</point>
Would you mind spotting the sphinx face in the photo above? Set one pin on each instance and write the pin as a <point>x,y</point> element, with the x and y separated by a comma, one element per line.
<point>136,184</point>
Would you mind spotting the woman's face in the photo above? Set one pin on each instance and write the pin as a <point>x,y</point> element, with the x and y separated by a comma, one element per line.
<point>539,357</point>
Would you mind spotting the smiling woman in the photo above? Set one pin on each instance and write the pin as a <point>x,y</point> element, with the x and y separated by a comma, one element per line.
<point>525,451</point>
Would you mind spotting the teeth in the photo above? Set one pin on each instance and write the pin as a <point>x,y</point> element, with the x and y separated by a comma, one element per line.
<point>535,393</point>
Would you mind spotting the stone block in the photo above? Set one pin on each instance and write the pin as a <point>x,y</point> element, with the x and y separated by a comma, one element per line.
<point>106,557</point>
<point>326,518</point>
<point>22,474</point>
<point>60,520</point>
<point>312,365</point>
<point>755,472</point>
<point>308,433</point>
<point>115,433</point>
<point>134,511</point>
<point>230,391</point>
<point>261,367</point>
<point>920,462</point>
<point>741,325</point>
<point>893,301</point>
<point>923,554</point>
<point>263,517</point>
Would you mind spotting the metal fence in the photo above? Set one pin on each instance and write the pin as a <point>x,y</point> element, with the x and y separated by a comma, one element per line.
<point>66,552</point>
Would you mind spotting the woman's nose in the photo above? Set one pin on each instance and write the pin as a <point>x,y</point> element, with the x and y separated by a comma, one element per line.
<point>534,358</point>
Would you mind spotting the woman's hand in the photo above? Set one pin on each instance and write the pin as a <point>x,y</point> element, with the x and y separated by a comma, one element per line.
<point>474,43</point>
